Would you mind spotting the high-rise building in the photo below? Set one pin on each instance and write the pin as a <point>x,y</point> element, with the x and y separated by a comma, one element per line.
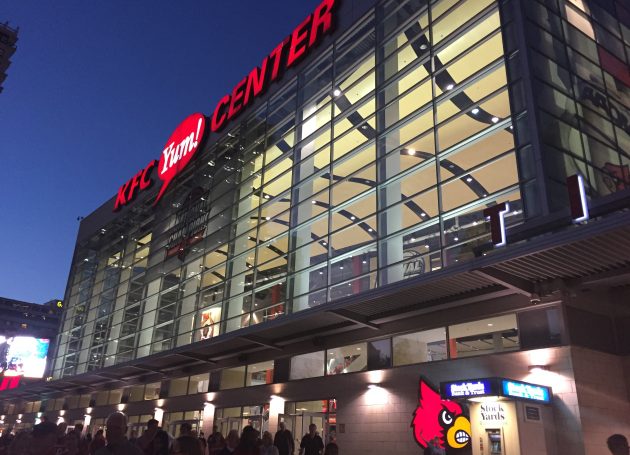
<point>409,221</point>
<point>8,38</point>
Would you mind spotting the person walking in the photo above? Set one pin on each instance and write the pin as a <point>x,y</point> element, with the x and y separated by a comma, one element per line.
<point>283,440</point>
<point>312,443</point>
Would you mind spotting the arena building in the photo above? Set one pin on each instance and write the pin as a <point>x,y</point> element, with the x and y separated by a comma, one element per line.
<point>409,221</point>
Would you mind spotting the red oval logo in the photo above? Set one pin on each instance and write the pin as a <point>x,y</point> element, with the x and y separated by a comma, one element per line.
<point>179,149</point>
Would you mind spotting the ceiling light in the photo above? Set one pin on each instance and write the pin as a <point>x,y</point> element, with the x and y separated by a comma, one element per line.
<point>449,87</point>
<point>495,119</point>
<point>469,179</point>
<point>423,214</point>
<point>337,92</point>
<point>411,152</point>
<point>475,111</point>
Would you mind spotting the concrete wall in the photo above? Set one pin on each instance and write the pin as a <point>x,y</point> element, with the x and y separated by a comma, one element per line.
<point>602,397</point>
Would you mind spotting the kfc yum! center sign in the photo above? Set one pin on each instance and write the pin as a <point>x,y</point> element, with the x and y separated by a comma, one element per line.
<point>191,134</point>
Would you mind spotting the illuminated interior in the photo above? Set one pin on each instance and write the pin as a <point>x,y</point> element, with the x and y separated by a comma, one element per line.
<point>364,171</point>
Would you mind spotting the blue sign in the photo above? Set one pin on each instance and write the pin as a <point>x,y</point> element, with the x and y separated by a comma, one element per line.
<point>470,388</point>
<point>525,391</point>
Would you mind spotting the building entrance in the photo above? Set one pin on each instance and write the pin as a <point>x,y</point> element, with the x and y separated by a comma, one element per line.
<point>228,419</point>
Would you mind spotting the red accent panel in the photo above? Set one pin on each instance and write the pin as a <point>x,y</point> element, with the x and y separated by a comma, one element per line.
<point>494,213</point>
<point>180,149</point>
<point>614,66</point>
<point>575,200</point>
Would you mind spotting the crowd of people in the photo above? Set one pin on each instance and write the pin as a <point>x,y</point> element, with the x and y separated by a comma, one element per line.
<point>46,438</point>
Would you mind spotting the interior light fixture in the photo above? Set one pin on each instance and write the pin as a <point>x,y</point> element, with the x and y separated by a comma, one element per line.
<point>336,92</point>
<point>537,368</point>
<point>475,111</point>
<point>495,119</point>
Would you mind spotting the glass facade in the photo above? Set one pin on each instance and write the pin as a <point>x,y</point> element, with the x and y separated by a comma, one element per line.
<point>579,55</point>
<point>371,166</point>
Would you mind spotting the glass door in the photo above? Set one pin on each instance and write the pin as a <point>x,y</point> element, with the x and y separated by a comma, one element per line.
<point>298,424</point>
<point>226,424</point>
<point>174,428</point>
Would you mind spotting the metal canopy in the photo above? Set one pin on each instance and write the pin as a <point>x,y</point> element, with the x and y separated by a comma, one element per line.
<point>597,253</point>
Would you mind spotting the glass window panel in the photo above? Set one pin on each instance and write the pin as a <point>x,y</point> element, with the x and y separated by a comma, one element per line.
<point>198,383</point>
<point>178,387</point>
<point>136,393</point>
<point>232,378</point>
<point>475,153</point>
<point>454,49</point>
<point>479,57</point>
<point>360,182</point>
<point>455,17</point>
<point>486,336</point>
<point>259,374</point>
<point>379,354</point>
<point>309,365</point>
<point>354,162</point>
<point>354,212</point>
<point>347,359</point>
<point>312,163</point>
<point>354,89</point>
<point>115,396</point>
<point>492,177</point>
<point>209,321</point>
<point>353,236</point>
<point>465,126</point>
<point>152,391</point>
<point>419,347</point>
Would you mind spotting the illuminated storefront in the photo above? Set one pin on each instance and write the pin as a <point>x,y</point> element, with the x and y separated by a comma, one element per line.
<point>428,188</point>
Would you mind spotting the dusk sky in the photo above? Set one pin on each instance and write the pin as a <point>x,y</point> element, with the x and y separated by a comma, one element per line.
<point>93,93</point>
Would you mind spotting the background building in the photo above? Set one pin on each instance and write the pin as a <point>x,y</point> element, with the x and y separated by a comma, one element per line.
<point>27,335</point>
<point>8,38</point>
<point>332,245</point>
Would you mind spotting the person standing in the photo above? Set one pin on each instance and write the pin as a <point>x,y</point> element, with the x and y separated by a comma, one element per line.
<point>230,443</point>
<point>97,442</point>
<point>117,443</point>
<point>312,443</point>
<point>283,440</point>
<point>216,442</point>
<point>618,444</point>
<point>267,447</point>
<point>145,442</point>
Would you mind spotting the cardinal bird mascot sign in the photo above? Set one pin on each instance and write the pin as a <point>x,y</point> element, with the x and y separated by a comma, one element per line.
<point>441,419</point>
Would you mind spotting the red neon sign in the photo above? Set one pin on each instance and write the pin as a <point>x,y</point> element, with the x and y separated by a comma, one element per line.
<point>11,382</point>
<point>305,36</point>
<point>186,139</point>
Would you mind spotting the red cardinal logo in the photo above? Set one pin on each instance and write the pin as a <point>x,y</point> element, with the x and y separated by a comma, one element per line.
<point>438,418</point>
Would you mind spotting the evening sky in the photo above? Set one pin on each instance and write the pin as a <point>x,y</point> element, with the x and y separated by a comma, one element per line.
<point>93,93</point>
